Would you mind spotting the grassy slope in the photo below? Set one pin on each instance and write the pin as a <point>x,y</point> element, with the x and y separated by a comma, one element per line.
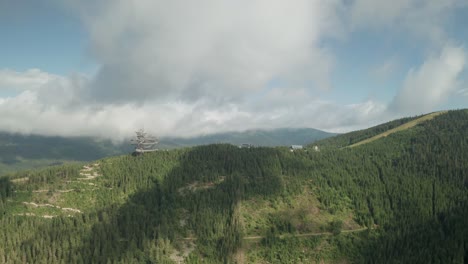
<point>347,139</point>
<point>400,128</point>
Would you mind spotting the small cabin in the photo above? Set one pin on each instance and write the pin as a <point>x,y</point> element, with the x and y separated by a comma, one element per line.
<point>316,148</point>
<point>245,145</point>
<point>295,147</point>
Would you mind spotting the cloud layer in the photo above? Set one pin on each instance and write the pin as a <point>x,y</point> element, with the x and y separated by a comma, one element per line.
<point>51,109</point>
<point>224,49</point>
<point>29,80</point>
<point>186,68</point>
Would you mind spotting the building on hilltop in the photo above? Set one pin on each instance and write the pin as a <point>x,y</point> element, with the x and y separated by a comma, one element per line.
<point>296,147</point>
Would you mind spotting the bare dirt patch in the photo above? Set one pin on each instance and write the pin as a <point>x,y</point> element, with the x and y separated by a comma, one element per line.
<point>49,216</point>
<point>19,180</point>
<point>35,205</point>
<point>239,256</point>
<point>198,186</point>
<point>179,256</point>
<point>89,172</point>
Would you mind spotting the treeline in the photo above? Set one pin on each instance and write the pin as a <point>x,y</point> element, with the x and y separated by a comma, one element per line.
<point>360,135</point>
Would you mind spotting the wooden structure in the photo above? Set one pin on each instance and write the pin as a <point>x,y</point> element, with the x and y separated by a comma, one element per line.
<point>144,142</point>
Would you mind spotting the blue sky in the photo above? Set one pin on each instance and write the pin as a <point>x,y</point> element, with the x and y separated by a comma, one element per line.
<point>79,68</point>
<point>40,34</point>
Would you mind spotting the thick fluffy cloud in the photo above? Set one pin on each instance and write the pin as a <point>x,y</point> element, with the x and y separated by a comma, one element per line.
<point>51,109</point>
<point>184,68</point>
<point>187,50</point>
<point>430,85</point>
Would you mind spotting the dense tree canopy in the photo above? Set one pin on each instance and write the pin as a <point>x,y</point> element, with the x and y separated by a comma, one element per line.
<point>409,189</point>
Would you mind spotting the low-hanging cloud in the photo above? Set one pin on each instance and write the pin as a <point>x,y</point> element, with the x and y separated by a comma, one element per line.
<point>31,113</point>
<point>182,68</point>
<point>31,79</point>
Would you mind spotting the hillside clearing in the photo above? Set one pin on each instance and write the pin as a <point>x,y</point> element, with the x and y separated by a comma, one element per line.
<point>405,126</point>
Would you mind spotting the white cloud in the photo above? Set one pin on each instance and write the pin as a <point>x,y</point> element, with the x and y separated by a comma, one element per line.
<point>31,112</point>
<point>225,49</point>
<point>183,68</point>
<point>463,92</point>
<point>29,80</point>
<point>430,85</point>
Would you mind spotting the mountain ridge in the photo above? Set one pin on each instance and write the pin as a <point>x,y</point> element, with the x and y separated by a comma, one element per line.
<point>32,151</point>
<point>258,137</point>
<point>402,127</point>
<point>406,193</point>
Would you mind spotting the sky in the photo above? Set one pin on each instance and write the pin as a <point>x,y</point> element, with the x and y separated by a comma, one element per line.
<point>185,68</point>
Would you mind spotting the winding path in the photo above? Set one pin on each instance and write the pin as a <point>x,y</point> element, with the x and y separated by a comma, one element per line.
<point>295,235</point>
<point>309,234</point>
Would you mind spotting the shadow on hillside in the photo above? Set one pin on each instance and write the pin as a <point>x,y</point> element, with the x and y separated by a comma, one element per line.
<point>442,239</point>
<point>197,199</point>
<point>6,190</point>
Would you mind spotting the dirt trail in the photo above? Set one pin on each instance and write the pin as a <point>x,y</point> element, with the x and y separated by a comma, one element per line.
<point>18,180</point>
<point>60,191</point>
<point>89,173</point>
<point>35,205</point>
<point>309,234</point>
<point>180,256</point>
<point>40,205</point>
<point>295,235</point>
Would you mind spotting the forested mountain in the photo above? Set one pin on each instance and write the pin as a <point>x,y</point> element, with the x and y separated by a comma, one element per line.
<point>265,138</point>
<point>32,151</point>
<point>355,138</point>
<point>400,199</point>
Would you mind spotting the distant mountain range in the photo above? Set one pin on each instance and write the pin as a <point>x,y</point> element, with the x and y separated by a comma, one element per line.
<point>269,138</point>
<point>32,151</point>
